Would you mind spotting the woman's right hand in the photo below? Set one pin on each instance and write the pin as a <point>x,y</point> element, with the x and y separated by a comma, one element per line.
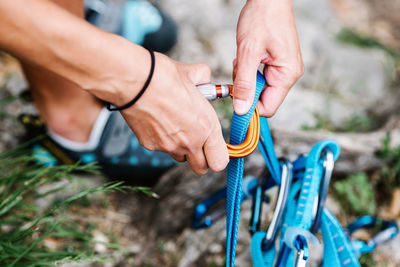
<point>174,117</point>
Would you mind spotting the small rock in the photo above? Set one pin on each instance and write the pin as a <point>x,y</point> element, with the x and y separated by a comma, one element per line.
<point>135,248</point>
<point>215,248</point>
<point>100,239</point>
<point>170,246</point>
<point>52,243</point>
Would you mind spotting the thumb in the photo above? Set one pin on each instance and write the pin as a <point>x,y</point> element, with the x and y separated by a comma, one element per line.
<point>245,80</point>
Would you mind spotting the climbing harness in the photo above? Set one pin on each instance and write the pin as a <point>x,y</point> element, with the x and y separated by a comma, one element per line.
<point>300,210</point>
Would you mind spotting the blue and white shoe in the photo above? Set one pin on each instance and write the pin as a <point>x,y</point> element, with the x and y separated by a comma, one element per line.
<point>112,145</point>
<point>137,20</point>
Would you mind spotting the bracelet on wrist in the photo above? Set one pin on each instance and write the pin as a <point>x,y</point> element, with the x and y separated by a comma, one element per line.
<point>111,107</point>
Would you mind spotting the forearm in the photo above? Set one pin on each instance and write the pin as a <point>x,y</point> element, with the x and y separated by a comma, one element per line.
<point>44,34</point>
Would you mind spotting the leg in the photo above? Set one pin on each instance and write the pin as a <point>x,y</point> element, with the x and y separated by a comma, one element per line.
<point>67,109</point>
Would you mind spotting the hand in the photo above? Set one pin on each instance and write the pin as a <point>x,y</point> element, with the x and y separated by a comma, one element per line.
<point>266,33</point>
<point>172,116</point>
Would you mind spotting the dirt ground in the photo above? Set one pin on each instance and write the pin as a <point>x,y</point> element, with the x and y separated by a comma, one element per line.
<point>212,41</point>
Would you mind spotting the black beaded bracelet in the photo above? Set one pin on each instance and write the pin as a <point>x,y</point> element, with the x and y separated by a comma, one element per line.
<point>146,84</point>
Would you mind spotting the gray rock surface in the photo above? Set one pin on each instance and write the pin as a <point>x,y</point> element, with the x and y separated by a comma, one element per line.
<point>339,81</point>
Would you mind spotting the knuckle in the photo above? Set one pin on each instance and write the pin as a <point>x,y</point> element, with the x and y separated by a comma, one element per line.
<point>169,147</point>
<point>217,125</point>
<point>270,112</point>
<point>199,72</point>
<point>183,141</point>
<point>205,69</point>
<point>178,157</point>
<point>241,88</point>
<point>247,46</point>
<point>299,70</point>
<point>205,124</point>
<point>187,145</point>
<point>149,146</point>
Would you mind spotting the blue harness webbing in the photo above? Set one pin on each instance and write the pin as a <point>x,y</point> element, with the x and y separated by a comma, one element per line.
<point>268,154</point>
<point>300,215</point>
<point>337,248</point>
<point>303,210</point>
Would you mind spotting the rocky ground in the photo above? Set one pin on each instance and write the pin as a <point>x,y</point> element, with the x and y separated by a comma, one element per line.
<point>346,88</point>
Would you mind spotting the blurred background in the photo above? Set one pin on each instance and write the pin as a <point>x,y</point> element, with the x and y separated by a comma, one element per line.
<point>349,93</point>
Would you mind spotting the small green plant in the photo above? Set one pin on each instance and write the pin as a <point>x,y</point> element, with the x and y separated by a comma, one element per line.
<point>367,260</point>
<point>357,123</point>
<point>25,227</point>
<point>390,171</point>
<point>352,37</point>
<point>322,121</point>
<point>356,194</point>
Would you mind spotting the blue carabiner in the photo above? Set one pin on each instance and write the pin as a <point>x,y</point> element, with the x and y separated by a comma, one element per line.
<point>263,243</point>
<point>302,252</point>
<point>276,222</point>
<point>200,219</point>
<point>207,212</point>
<point>256,210</point>
<point>328,164</point>
<point>389,230</point>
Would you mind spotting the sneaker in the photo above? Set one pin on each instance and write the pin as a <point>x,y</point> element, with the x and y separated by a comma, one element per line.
<point>112,144</point>
<point>137,20</point>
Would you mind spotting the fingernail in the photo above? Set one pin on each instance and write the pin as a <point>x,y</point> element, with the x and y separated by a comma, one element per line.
<point>239,106</point>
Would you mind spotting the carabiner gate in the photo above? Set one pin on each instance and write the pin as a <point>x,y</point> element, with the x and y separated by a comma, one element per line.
<point>328,165</point>
<point>276,222</point>
<point>300,261</point>
<point>302,252</point>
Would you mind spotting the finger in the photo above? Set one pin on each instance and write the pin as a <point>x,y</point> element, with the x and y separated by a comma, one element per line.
<point>272,97</point>
<point>197,162</point>
<point>245,79</point>
<point>199,73</point>
<point>270,100</point>
<point>179,158</point>
<point>216,151</point>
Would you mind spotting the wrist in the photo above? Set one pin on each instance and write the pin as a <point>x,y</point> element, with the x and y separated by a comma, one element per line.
<point>119,71</point>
